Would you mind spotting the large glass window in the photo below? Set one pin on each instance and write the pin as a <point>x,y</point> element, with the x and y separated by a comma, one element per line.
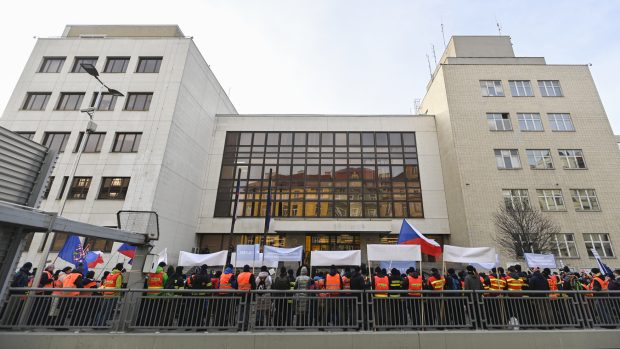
<point>36,100</point>
<point>585,200</point>
<point>79,188</point>
<point>116,65</point>
<point>572,158</point>
<point>499,122</point>
<point>138,101</point>
<point>321,174</point>
<point>561,122</point>
<point>600,242</point>
<point>126,142</point>
<point>516,199</point>
<point>149,65</point>
<point>564,246</point>
<point>70,101</point>
<point>491,88</point>
<point>113,188</point>
<point>520,88</point>
<point>530,122</point>
<point>56,140</point>
<point>550,88</point>
<point>94,141</point>
<point>550,199</point>
<point>507,159</point>
<point>539,159</point>
<point>51,64</point>
<point>77,63</point>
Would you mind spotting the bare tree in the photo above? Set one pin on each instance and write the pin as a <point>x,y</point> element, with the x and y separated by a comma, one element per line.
<point>522,229</point>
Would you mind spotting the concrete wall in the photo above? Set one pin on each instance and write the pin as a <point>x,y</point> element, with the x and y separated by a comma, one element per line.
<point>586,339</point>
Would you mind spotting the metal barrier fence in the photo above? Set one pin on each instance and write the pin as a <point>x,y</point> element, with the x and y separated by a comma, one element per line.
<point>309,310</point>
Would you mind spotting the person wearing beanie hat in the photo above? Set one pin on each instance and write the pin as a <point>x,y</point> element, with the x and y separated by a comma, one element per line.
<point>21,277</point>
<point>472,280</point>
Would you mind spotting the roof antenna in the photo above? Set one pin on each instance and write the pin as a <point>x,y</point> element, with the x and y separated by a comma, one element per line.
<point>434,54</point>
<point>443,35</point>
<point>430,71</point>
<point>499,26</point>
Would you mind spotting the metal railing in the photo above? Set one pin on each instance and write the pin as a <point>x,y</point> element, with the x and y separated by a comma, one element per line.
<point>308,310</point>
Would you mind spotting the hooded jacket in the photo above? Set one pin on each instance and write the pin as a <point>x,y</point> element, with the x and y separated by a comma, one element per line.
<point>303,281</point>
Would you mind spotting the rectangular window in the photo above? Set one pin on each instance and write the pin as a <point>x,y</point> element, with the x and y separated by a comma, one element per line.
<point>585,200</point>
<point>56,140</point>
<point>63,186</point>
<point>321,174</point>
<point>516,199</point>
<point>102,245</point>
<point>79,188</point>
<point>491,88</point>
<point>116,65</point>
<point>94,141</point>
<point>520,88</point>
<point>561,122</point>
<point>51,64</point>
<point>36,100</point>
<point>77,63</point>
<point>126,142</point>
<point>149,65</point>
<point>550,88</point>
<point>564,246</point>
<point>70,101</point>
<point>138,101</point>
<point>113,188</point>
<point>539,159</point>
<point>550,199</point>
<point>499,122</point>
<point>107,102</point>
<point>26,134</point>
<point>530,122</point>
<point>507,159</point>
<point>572,158</point>
<point>601,243</point>
<point>48,188</point>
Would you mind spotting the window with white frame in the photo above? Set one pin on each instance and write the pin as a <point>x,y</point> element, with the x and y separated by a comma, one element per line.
<point>530,122</point>
<point>585,200</point>
<point>561,122</point>
<point>491,88</point>
<point>550,199</point>
<point>539,159</point>
<point>516,198</point>
<point>499,122</point>
<point>550,88</point>
<point>572,158</point>
<point>600,242</point>
<point>507,159</point>
<point>520,88</point>
<point>564,245</point>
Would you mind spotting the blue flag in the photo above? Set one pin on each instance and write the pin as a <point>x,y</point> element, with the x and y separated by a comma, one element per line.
<point>73,252</point>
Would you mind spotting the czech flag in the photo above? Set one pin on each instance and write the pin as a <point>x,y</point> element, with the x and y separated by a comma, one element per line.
<point>127,250</point>
<point>411,236</point>
<point>93,258</point>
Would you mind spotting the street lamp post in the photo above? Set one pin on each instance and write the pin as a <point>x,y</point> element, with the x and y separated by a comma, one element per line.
<point>90,128</point>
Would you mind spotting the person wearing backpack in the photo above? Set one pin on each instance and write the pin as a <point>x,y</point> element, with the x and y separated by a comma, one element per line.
<point>263,303</point>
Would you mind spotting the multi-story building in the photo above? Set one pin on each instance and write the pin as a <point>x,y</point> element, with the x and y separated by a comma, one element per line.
<point>176,145</point>
<point>515,129</point>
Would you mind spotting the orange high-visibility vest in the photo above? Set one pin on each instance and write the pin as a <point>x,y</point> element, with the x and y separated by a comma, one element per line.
<point>155,281</point>
<point>110,282</point>
<point>415,284</point>
<point>346,283</point>
<point>332,283</point>
<point>553,286</point>
<point>225,281</point>
<point>49,277</point>
<point>69,282</point>
<point>243,281</point>
<point>382,284</point>
<point>496,284</point>
<point>437,283</point>
<point>514,284</point>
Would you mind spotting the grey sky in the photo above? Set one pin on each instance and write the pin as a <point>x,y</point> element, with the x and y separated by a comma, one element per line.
<point>335,56</point>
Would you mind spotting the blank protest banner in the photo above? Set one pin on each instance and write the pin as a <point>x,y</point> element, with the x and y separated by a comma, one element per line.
<point>403,253</point>
<point>280,254</point>
<point>468,254</point>
<point>327,258</point>
<point>187,259</point>
<point>534,260</point>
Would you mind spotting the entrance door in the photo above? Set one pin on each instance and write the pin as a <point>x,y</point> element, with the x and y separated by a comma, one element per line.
<point>331,242</point>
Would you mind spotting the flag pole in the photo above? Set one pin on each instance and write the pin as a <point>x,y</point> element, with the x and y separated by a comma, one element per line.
<point>234,218</point>
<point>263,241</point>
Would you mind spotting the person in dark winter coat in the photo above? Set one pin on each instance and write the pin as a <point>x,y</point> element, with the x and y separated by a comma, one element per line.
<point>538,282</point>
<point>21,277</point>
<point>472,279</point>
<point>281,283</point>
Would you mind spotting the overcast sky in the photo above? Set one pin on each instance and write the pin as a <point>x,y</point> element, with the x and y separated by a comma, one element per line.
<point>335,56</point>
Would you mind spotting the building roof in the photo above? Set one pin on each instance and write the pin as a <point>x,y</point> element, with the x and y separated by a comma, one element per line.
<point>122,31</point>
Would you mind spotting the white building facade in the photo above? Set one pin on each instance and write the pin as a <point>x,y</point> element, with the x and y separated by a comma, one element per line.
<point>175,145</point>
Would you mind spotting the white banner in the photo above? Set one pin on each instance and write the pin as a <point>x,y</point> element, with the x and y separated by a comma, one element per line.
<point>327,258</point>
<point>279,254</point>
<point>187,259</point>
<point>534,260</point>
<point>487,265</point>
<point>162,256</point>
<point>468,254</point>
<point>247,253</point>
<point>259,262</point>
<point>403,253</point>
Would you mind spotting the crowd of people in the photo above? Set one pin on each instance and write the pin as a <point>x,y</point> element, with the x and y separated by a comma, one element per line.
<point>296,308</point>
